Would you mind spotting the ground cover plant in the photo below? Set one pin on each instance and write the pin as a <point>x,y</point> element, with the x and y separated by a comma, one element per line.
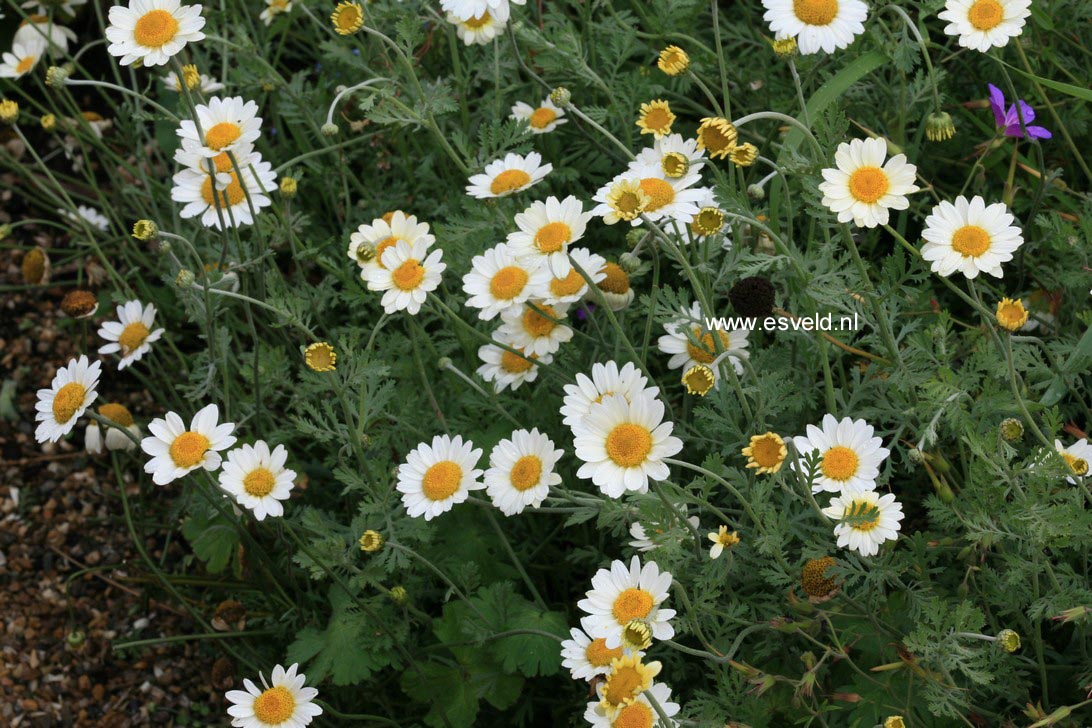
<point>580,363</point>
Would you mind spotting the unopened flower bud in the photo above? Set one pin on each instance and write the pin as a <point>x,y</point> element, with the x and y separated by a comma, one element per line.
<point>1012,429</point>
<point>630,262</point>
<point>1009,640</point>
<point>185,278</point>
<point>288,187</point>
<point>784,48</point>
<point>399,594</point>
<point>637,634</point>
<point>57,75</point>
<point>756,192</point>
<point>371,541</point>
<point>145,229</point>
<point>330,129</point>
<point>9,111</point>
<point>939,127</point>
<point>561,96</point>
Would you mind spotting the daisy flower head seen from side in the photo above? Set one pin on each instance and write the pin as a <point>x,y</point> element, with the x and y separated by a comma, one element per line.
<point>68,396</point>
<point>499,280</point>
<point>506,369</point>
<point>1077,457</point>
<point>849,455</point>
<point>586,657</point>
<point>283,702</point>
<point>469,9</point>
<point>540,119</point>
<point>521,471</point>
<point>572,286</point>
<point>368,244</point>
<point>984,24</point>
<point>623,593</point>
<point>546,229</point>
<point>689,342</point>
<point>226,125</point>
<point>535,327</point>
<point>622,444</point>
<point>673,532</point>
<point>256,478</point>
<point>176,450</point>
<point>226,199</point>
<point>865,519</point>
<point>436,476</point>
<point>862,187</point>
<point>605,380</point>
<point>615,287</point>
<point>478,30</point>
<point>618,709</point>
<point>503,177</point>
<point>722,539</point>
<point>204,83</point>
<point>817,25</point>
<point>132,335</point>
<point>621,199</point>
<point>716,136</point>
<point>408,273</point>
<point>152,31</point>
<point>35,29</point>
<point>94,439</point>
<point>22,58</point>
<point>273,8</point>
<point>970,236</point>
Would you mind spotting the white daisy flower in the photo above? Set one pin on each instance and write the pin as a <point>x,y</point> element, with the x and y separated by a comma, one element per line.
<point>621,594</point>
<point>586,657</point>
<point>970,236</point>
<point>94,439</point>
<point>468,9</point>
<point>132,334</point>
<point>226,124</point>
<point>368,244</point>
<point>689,342</point>
<point>546,229</point>
<point>23,58</point>
<point>206,84</point>
<point>257,479</point>
<point>229,200</point>
<point>615,287</point>
<point>984,24</point>
<point>38,29</point>
<point>71,392</point>
<point>88,214</point>
<point>863,188</point>
<point>722,539</point>
<point>623,444</point>
<point>273,8</point>
<point>504,369</point>
<point>407,274</point>
<point>521,471</point>
<point>643,541</point>
<point>865,519</point>
<point>533,327</point>
<point>659,198</point>
<point>44,7</point>
<point>605,380</point>
<point>637,713</point>
<point>572,286</point>
<point>177,451</point>
<point>674,155</point>
<point>503,177</point>
<point>498,280</point>
<point>1077,456</point>
<point>479,30</point>
<point>284,702</point>
<point>152,31</point>
<point>544,118</point>
<point>850,457</point>
<point>817,25</point>
<point>435,477</point>
<point>191,156</point>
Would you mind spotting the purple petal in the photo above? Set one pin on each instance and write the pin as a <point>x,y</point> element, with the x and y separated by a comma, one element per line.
<point>1027,112</point>
<point>997,104</point>
<point>1038,132</point>
<point>1014,130</point>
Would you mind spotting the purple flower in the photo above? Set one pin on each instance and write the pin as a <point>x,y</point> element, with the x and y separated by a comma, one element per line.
<point>1009,120</point>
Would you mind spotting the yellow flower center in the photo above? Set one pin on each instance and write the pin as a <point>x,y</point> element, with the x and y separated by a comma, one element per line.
<point>970,240</point>
<point>567,286</point>
<point>381,248</point>
<point>514,364</point>
<point>660,193</point>
<point>698,379</point>
<point>986,14</point>
<point>868,184</point>
<point>718,136</point>
<point>552,236</point>
<point>25,64</point>
<point>623,685</point>
<point>229,196</point>
<point>708,221</point>
<point>508,282</point>
<point>630,204</point>
<point>674,164</point>
<point>865,515</point>
<point>274,706</point>
<point>1079,466</point>
<point>479,22</point>
<point>616,281</point>
<point>634,715</point>
<point>68,399</point>
<point>658,119</point>
<point>442,480</point>
<point>537,324</point>
<point>155,29</point>
<point>1011,314</point>
<point>222,162</point>
<point>632,604</point>
<point>259,482</point>
<point>132,336</point>
<point>628,445</point>
<point>705,353</point>
<point>188,449</point>
<point>598,655</point>
<point>117,413</point>
<point>408,275</point>
<point>542,117</point>
<point>348,17</point>
<point>222,134</point>
<point>526,472</point>
<point>840,463</point>
<point>767,451</point>
<point>815,12</point>
<point>320,357</point>
<point>509,180</point>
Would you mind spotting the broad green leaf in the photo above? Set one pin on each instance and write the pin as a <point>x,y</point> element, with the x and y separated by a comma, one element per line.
<point>213,540</point>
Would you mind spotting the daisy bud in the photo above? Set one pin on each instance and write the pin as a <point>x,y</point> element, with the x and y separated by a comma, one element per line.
<point>894,721</point>
<point>288,187</point>
<point>1073,615</point>
<point>1009,640</point>
<point>699,380</point>
<point>634,237</point>
<point>1011,315</point>
<point>915,456</point>
<point>48,122</point>
<point>784,48</point>
<point>637,635</point>
<point>75,640</point>
<point>630,263</point>
<point>145,230</point>
<point>673,61</point>
<point>939,127</point>
<point>320,357</point>
<point>79,304</point>
<point>57,75</point>
<point>185,278</point>
<point>191,76</point>
<point>443,363</point>
<point>347,18</point>
<point>330,129</point>
<point>371,541</point>
<point>756,192</point>
<point>399,595</point>
<point>708,221</point>
<point>9,111</point>
<point>164,247</point>
<point>1012,429</point>
<point>561,96</point>
<point>35,265</point>
<point>5,231</point>
<point>744,155</point>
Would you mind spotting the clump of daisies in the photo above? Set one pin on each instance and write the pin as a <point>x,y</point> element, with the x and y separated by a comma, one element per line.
<point>282,701</point>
